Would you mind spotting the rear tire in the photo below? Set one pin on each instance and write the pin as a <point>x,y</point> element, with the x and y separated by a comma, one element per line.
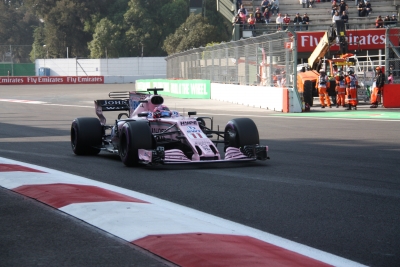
<point>241,132</point>
<point>86,136</point>
<point>135,135</point>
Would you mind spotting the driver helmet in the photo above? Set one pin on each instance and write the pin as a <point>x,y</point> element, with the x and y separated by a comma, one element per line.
<point>162,111</point>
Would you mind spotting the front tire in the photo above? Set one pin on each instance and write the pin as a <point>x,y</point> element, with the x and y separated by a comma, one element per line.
<point>86,136</point>
<point>135,135</point>
<point>241,132</point>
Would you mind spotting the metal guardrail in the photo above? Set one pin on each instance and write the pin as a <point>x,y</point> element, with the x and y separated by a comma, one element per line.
<point>243,31</point>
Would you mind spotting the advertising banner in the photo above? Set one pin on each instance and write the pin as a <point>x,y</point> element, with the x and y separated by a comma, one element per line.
<point>357,39</point>
<point>20,80</point>
<point>196,89</point>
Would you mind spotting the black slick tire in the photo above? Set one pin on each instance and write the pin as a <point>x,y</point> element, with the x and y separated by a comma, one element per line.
<point>241,132</point>
<point>134,135</point>
<point>86,136</point>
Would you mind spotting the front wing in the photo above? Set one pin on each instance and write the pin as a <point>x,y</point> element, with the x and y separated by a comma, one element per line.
<point>176,156</point>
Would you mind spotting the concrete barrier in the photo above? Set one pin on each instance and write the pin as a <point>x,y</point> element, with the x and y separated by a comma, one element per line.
<point>391,96</point>
<point>271,98</point>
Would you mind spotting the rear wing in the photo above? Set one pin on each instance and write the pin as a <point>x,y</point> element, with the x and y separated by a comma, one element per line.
<point>121,101</point>
<point>115,103</point>
<point>112,104</point>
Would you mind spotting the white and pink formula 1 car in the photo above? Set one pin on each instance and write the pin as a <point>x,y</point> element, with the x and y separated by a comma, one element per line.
<point>150,133</point>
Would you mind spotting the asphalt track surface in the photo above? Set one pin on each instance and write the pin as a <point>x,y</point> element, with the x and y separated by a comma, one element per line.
<point>332,182</point>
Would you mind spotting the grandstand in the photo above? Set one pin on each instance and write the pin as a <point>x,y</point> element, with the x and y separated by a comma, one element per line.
<point>320,14</point>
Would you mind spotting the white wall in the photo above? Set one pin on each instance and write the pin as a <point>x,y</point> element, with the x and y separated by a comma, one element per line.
<point>134,66</point>
<point>255,96</point>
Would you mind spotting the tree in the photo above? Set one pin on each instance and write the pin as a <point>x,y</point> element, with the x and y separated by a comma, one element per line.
<point>63,25</point>
<point>149,22</point>
<point>224,26</point>
<point>195,32</point>
<point>16,30</point>
<point>92,27</point>
<point>38,51</point>
<point>106,40</point>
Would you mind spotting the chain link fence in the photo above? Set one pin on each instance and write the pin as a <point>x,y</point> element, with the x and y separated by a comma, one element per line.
<point>267,60</point>
<point>392,54</point>
<point>15,60</point>
<point>16,54</point>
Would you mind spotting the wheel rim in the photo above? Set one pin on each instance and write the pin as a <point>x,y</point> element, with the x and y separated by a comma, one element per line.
<point>122,148</point>
<point>73,138</point>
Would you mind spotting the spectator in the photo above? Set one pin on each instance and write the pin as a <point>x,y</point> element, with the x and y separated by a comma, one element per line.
<point>237,20</point>
<point>386,21</point>
<point>259,16</point>
<point>279,22</point>
<point>251,21</point>
<point>391,69</point>
<point>368,8</point>
<point>242,9</point>
<point>304,3</point>
<point>345,19</point>
<point>379,22</point>
<point>264,5</point>
<point>361,9</point>
<point>274,7</point>
<point>306,22</point>
<point>390,78</point>
<point>283,79</point>
<point>243,18</point>
<point>297,22</point>
<point>278,77</point>
<point>394,20</point>
<point>335,8</point>
<point>267,16</point>
<point>311,3</point>
<point>336,17</point>
<point>343,7</point>
<point>286,21</point>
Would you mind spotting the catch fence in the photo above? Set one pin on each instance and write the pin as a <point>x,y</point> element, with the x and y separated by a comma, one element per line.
<point>267,60</point>
<point>392,53</point>
<point>270,59</point>
<point>15,60</point>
